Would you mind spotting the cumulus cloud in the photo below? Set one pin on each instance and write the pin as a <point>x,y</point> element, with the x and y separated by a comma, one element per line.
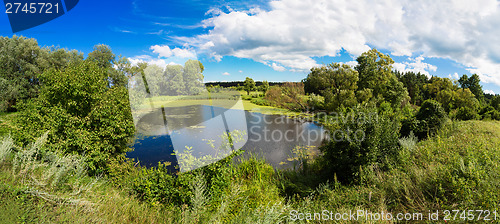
<point>489,92</point>
<point>226,73</point>
<point>454,76</point>
<point>150,60</point>
<point>277,67</point>
<point>415,65</point>
<point>166,52</point>
<point>292,32</point>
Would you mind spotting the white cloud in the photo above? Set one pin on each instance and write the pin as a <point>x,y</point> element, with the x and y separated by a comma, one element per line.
<point>454,76</point>
<point>240,71</point>
<point>415,65</point>
<point>146,58</point>
<point>351,63</point>
<point>292,32</point>
<point>226,73</point>
<point>183,53</point>
<point>166,52</point>
<point>162,51</point>
<point>489,92</point>
<point>277,67</point>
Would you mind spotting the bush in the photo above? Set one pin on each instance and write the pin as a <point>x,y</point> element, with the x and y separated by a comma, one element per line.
<point>431,117</point>
<point>466,113</point>
<point>316,102</point>
<point>82,113</point>
<point>362,140</point>
<point>489,113</point>
<point>159,185</point>
<point>260,101</point>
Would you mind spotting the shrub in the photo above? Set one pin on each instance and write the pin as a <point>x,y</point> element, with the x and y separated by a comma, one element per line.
<point>260,101</point>
<point>361,140</point>
<point>316,102</point>
<point>83,114</point>
<point>466,113</point>
<point>431,117</point>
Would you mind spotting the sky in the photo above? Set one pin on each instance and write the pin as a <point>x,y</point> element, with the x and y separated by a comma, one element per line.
<point>281,40</point>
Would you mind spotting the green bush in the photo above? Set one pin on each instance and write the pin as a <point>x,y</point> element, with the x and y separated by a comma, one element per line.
<point>489,113</point>
<point>363,139</point>
<point>158,185</point>
<point>82,112</point>
<point>260,101</point>
<point>466,113</point>
<point>246,97</point>
<point>316,102</point>
<point>431,117</point>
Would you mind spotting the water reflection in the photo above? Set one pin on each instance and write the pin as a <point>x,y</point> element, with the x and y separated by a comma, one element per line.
<point>270,136</point>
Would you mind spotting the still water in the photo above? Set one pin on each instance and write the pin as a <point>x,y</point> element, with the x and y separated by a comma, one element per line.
<point>161,134</point>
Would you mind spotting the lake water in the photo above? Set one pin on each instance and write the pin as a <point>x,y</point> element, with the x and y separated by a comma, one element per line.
<point>199,129</point>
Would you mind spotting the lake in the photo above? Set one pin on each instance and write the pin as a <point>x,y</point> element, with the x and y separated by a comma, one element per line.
<point>202,131</point>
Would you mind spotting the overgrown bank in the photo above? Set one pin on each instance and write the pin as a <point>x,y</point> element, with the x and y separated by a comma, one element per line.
<point>459,168</point>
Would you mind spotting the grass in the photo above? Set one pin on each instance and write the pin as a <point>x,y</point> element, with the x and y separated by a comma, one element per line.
<point>457,169</point>
<point>6,122</point>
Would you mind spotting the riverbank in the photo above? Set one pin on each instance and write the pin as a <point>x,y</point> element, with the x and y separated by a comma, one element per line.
<point>457,169</point>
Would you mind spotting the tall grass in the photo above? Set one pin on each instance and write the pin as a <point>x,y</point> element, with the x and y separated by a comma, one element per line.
<point>459,168</point>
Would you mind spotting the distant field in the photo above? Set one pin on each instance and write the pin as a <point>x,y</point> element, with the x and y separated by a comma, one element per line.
<point>218,100</point>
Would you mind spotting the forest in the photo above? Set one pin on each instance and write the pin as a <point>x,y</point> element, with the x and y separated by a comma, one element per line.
<point>66,125</point>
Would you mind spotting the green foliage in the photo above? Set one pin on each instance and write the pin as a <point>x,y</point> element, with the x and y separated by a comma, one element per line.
<point>335,82</point>
<point>249,85</point>
<point>21,63</point>
<point>264,87</point>
<point>414,83</point>
<point>316,102</point>
<point>174,76</point>
<point>466,113</point>
<point>472,83</point>
<point>495,102</point>
<point>260,101</point>
<point>454,99</point>
<point>489,113</point>
<point>431,117</point>
<point>102,56</point>
<point>82,114</point>
<point>374,70</point>
<point>289,96</point>
<point>193,77</point>
<point>436,85</point>
<point>364,138</point>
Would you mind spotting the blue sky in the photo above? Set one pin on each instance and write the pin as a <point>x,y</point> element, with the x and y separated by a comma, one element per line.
<point>282,39</point>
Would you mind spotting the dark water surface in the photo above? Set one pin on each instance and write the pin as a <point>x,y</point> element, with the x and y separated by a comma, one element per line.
<point>192,127</point>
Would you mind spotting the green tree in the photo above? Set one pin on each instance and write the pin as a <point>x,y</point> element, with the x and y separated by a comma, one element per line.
<point>472,83</point>
<point>363,140</point>
<point>82,114</point>
<point>431,117</point>
<point>156,80</point>
<point>414,83</point>
<point>336,82</point>
<point>249,85</point>
<point>374,70</point>
<point>20,65</point>
<point>175,80</point>
<point>102,56</point>
<point>436,85</point>
<point>264,86</point>
<point>375,73</point>
<point>193,77</point>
